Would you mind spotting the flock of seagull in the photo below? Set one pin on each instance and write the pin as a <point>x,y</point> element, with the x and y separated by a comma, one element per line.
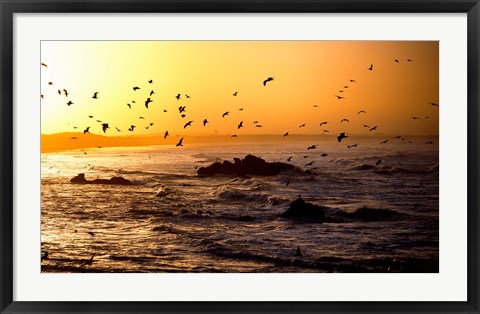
<point>105,126</point>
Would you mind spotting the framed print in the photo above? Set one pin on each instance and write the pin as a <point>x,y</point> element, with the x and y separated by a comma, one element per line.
<point>239,156</point>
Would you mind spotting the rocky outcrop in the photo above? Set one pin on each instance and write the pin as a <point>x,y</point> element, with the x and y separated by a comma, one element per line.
<point>301,209</point>
<point>250,165</point>
<point>80,179</point>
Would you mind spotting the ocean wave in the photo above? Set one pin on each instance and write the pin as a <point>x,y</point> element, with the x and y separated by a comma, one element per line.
<point>373,214</point>
<point>228,193</point>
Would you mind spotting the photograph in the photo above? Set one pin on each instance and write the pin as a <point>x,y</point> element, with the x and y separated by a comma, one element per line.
<point>232,156</point>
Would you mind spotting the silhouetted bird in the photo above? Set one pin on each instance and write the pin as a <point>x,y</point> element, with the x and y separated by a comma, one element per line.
<point>302,125</point>
<point>205,121</point>
<point>361,111</point>
<point>74,138</point>
<point>50,83</point>
<point>351,146</point>
<point>141,118</point>
<point>187,96</point>
<point>339,97</point>
<point>42,96</point>
<point>373,128</point>
<point>289,158</point>
<point>129,106</point>
<point>267,80</point>
<point>409,60</point>
<point>151,123</point>
<point>189,123</point>
<point>135,88</point>
<point>286,134</point>
<point>299,252</point>
<point>59,92</point>
<point>133,102</point>
<point>240,125</point>
<point>235,94</point>
<point>312,147</point>
<point>324,122</point>
<point>69,103</point>
<point>341,136</point>
<point>234,135</point>
<point>150,81</point>
<point>324,154</point>
<point>99,120</point>
<point>415,118</point>
<point>118,129</point>
<point>225,114</point>
<point>346,120</point>
<point>434,104</point>
<point>258,126</point>
<point>66,92</point>
<point>105,127</point>
<point>87,130</point>
<point>371,67</point>
<point>147,102</point>
<point>95,95</point>
<point>165,135</point>
<point>255,122</point>
<point>309,164</point>
<point>345,86</point>
<point>353,81</point>
<point>240,109</point>
<point>384,142</point>
<point>178,96</point>
<point>131,128</point>
<point>84,152</point>
<point>180,143</point>
<point>90,117</point>
<point>366,126</point>
<point>152,92</point>
<point>326,131</point>
<point>43,64</point>
<point>397,61</point>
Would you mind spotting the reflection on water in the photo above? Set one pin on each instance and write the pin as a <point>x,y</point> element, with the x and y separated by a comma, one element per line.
<point>171,220</point>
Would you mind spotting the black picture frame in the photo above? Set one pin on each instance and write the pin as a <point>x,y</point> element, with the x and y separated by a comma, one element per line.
<point>10,7</point>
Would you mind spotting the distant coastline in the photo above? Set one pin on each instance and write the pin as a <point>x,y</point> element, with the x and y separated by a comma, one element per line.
<point>67,141</point>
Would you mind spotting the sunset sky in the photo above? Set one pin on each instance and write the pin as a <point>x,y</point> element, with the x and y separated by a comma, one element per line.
<point>306,74</point>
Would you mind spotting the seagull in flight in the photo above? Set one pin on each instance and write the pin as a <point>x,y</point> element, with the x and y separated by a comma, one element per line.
<point>152,92</point>
<point>135,88</point>
<point>240,125</point>
<point>150,81</point>
<point>105,127</point>
<point>371,67</point>
<point>361,111</point>
<point>267,80</point>
<point>302,126</point>
<point>434,104</point>
<point>344,120</point>
<point>312,147</point>
<point>225,114</point>
<point>87,130</point>
<point>165,135</point>
<point>189,123</point>
<point>69,103</point>
<point>44,64</point>
<point>95,95</point>
<point>205,121</point>
<point>147,102</point>
<point>286,134</point>
<point>180,143</point>
<point>178,96</point>
<point>66,92</point>
<point>235,94</point>
<point>324,122</point>
<point>373,128</point>
<point>341,136</point>
<point>131,128</point>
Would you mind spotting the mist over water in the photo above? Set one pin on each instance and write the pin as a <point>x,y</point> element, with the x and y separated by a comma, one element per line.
<point>171,220</point>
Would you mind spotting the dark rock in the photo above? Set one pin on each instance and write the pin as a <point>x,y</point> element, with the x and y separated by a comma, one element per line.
<point>300,209</point>
<point>80,179</point>
<point>249,165</point>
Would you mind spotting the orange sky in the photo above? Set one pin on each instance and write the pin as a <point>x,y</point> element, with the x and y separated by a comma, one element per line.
<point>306,74</point>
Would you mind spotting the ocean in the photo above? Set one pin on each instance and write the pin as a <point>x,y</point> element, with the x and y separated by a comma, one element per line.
<point>383,201</point>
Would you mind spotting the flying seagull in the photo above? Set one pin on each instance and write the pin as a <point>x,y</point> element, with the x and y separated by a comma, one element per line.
<point>87,130</point>
<point>240,125</point>
<point>225,114</point>
<point>178,96</point>
<point>371,67</point>
<point>344,120</point>
<point>373,128</point>
<point>135,88</point>
<point>180,143</point>
<point>189,123</point>
<point>286,134</point>
<point>341,136</point>
<point>205,121</point>
<point>131,128</point>
<point>105,127</point>
<point>235,94</point>
<point>95,95</point>
<point>44,64</point>
<point>312,147</point>
<point>166,134</point>
<point>324,122</point>
<point>267,80</point>
<point>361,111</point>
<point>147,102</point>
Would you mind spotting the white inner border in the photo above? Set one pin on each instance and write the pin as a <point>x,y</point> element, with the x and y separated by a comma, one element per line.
<point>449,285</point>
